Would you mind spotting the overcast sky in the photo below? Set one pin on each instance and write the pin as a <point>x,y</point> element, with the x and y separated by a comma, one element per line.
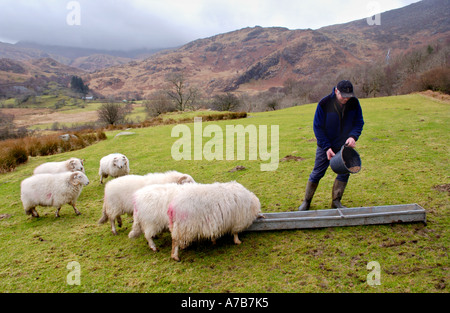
<point>132,24</point>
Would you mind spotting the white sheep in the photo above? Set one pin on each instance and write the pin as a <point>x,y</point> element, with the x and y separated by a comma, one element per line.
<point>70,165</point>
<point>209,212</point>
<point>114,165</point>
<point>53,190</point>
<point>150,210</point>
<point>119,193</point>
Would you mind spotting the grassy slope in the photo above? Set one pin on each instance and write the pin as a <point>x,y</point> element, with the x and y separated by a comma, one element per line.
<point>404,149</point>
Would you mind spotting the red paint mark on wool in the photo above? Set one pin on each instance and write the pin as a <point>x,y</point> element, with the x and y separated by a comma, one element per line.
<point>49,195</point>
<point>170,214</point>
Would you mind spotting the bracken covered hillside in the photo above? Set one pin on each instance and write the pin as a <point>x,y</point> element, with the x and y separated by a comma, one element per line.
<point>255,59</point>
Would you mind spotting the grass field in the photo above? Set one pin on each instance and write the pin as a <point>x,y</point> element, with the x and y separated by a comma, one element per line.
<point>405,154</point>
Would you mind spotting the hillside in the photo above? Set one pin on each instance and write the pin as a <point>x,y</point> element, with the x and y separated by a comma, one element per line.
<point>248,60</point>
<point>33,76</point>
<point>254,59</point>
<point>404,150</point>
<point>32,71</point>
<point>81,58</point>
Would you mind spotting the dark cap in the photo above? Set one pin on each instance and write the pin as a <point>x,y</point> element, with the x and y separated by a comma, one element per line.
<point>346,88</point>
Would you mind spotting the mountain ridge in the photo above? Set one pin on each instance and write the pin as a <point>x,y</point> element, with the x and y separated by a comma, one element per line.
<point>86,59</point>
<point>255,58</point>
<point>250,59</point>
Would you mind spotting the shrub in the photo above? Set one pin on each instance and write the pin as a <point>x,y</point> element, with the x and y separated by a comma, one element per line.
<point>49,145</point>
<point>14,152</point>
<point>225,102</point>
<point>437,79</point>
<point>158,104</point>
<point>19,153</point>
<point>111,113</point>
<point>100,135</point>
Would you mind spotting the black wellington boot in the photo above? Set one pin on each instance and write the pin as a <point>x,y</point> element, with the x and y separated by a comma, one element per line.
<point>338,191</point>
<point>309,193</point>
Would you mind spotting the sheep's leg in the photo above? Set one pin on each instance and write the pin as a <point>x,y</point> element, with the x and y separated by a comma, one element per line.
<point>75,209</point>
<point>34,213</point>
<point>57,212</point>
<point>175,248</point>
<point>113,226</point>
<point>151,243</point>
<point>236,239</point>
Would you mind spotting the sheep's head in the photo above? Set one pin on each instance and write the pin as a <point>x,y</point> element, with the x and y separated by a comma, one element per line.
<point>120,162</point>
<point>185,179</point>
<point>76,165</point>
<point>78,178</point>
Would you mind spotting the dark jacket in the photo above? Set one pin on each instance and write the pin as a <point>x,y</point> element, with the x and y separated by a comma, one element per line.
<point>333,129</point>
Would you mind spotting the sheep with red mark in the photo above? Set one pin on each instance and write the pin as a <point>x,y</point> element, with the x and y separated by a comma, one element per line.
<point>70,165</point>
<point>193,211</point>
<point>114,165</point>
<point>210,211</point>
<point>52,190</point>
<point>150,210</point>
<point>118,199</point>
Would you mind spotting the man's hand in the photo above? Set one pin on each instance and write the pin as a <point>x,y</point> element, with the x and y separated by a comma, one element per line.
<point>330,154</point>
<point>351,142</point>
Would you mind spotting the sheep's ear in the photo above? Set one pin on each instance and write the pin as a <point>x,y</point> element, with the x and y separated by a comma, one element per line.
<point>115,161</point>
<point>71,165</point>
<point>182,180</point>
<point>74,179</point>
<point>82,161</point>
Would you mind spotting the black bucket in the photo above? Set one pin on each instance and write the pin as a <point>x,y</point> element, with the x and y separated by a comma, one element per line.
<point>346,161</point>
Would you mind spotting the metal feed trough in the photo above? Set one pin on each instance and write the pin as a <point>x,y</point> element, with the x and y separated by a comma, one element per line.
<point>388,214</point>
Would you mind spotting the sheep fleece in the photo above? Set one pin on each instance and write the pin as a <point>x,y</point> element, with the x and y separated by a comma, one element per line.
<point>114,165</point>
<point>71,165</point>
<point>118,197</point>
<point>150,210</point>
<point>210,211</point>
<point>52,190</point>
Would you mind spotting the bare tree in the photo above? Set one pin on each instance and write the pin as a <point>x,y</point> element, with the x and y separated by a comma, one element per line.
<point>6,126</point>
<point>180,92</point>
<point>158,103</point>
<point>225,102</point>
<point>111,113</point>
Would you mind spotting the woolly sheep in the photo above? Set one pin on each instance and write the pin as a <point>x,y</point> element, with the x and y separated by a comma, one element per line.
<point>53,190</point>
<point>150,210</point>
<point>114,165</point>
<point>119,193</point>
<point>71,165</point>
<point>210,211</point>
<point>229,206</point>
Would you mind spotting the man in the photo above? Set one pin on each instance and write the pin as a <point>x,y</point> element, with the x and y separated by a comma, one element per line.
<point>338,120</point>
